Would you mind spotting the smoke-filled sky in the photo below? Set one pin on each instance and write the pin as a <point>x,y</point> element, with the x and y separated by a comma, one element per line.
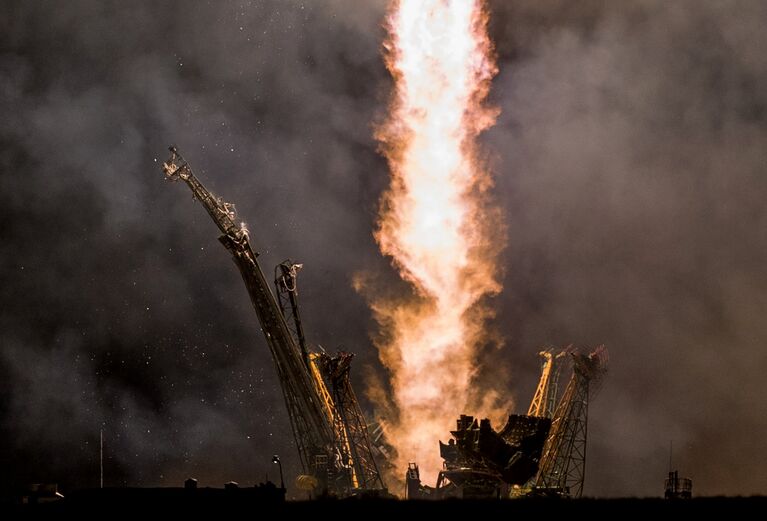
<point>629,161</point>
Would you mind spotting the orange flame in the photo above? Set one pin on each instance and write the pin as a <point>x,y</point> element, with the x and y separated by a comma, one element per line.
<point>435,221</point>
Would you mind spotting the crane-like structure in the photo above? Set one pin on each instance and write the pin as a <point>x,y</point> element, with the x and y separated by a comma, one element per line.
<point>329,450</point>
<point>366,472</point>
<point>562,466</point>
<point>332,372</point>
<point>545,397</point>
<point>542,452</point>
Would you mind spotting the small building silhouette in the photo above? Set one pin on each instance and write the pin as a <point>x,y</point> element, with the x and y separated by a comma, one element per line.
<point>678,488</point>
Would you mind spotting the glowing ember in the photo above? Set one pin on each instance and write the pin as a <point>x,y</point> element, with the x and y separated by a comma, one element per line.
<point>434,222</point>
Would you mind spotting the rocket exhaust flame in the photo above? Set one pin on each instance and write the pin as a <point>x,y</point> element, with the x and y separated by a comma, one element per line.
<point>435,220</point>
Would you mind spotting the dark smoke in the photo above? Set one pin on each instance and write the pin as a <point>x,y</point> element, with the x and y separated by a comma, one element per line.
<point>633,172</point>
<point>630,163</point>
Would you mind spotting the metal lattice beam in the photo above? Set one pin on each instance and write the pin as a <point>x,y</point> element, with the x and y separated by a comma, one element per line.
<point>313,433</point>
<point>563,463</point>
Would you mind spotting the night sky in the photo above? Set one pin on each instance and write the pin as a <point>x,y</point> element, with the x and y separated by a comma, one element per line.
<point>629,160</point>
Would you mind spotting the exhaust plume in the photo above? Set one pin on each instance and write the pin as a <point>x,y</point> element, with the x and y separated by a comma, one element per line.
<point>435,221</point>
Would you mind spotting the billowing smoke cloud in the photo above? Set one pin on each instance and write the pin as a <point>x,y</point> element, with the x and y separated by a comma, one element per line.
<point>120,308</point>
<point>631,143</point>
<point>629,159</point>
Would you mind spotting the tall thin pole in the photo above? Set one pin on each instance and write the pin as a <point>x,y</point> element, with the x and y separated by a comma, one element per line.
<point>670,455</point>
<point>101,456</point>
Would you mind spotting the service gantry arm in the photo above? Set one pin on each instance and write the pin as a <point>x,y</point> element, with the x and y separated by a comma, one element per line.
<point>286,283</point>
<point>544,400</point>
<point>563,461</point>
<point>312,431</point>
<point>344,412</point>
<point>365,468</point>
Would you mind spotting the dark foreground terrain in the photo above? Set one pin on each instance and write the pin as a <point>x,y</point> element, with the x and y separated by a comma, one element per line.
<point>244,501</point>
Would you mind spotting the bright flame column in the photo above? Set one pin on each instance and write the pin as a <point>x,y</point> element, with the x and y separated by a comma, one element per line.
<point>435,222</point>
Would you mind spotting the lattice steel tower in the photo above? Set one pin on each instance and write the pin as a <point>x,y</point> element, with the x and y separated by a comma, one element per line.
<point>563,463</point>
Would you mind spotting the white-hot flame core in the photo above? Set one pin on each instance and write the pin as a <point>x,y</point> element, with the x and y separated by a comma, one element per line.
<point>434,220</point>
